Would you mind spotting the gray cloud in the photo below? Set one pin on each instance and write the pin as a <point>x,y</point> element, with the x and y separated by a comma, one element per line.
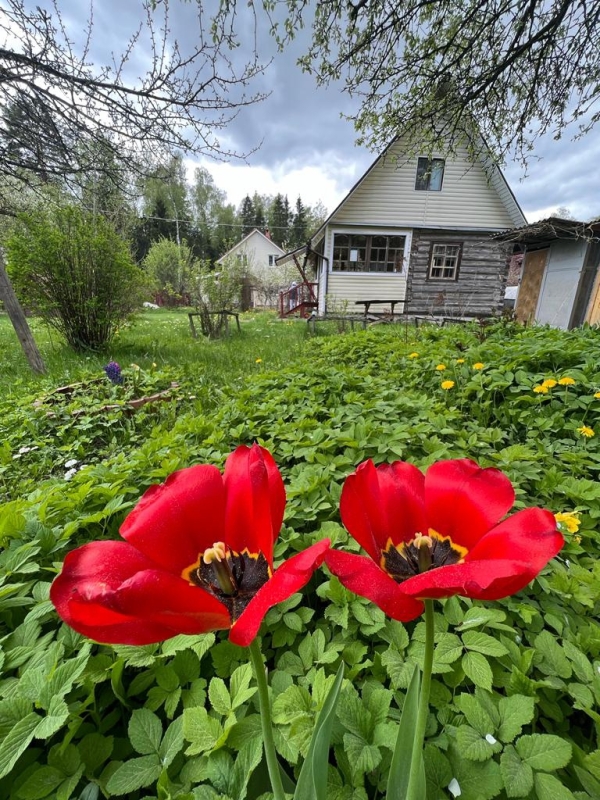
<point>299,124</point>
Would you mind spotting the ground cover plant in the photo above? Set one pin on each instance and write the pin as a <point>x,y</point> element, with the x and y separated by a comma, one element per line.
<point>516,682</point>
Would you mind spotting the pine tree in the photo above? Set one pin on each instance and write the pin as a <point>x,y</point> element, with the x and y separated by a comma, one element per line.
<point>247,215</point>
<point>299,233</point>
<point>279,220</point>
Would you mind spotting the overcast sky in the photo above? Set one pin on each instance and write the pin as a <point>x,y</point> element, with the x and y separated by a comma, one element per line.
<point>308,149</point>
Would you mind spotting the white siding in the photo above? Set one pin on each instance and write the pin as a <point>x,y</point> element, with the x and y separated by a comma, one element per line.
<point>467,200</point>
<point>345,288</point>
<point>559,286</point>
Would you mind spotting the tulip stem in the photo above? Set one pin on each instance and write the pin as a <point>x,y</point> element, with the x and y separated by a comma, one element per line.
<point>265,719</point>
<point>423,712</point>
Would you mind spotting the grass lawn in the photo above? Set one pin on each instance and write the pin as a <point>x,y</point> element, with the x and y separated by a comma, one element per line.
<point>160,337</point>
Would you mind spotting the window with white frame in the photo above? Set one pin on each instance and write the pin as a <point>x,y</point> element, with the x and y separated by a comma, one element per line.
<point>273,260</point>
<point>358,252</point>
<point>430,174</point>
<point>444,261</point>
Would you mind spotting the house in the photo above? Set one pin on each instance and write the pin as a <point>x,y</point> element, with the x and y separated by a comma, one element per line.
<point>258,254</point>
<point>559,283</point>
<point>418,230</point>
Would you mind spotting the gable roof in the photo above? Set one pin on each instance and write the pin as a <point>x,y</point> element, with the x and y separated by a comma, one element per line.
<point>493,172</point>
<point>245,239</point>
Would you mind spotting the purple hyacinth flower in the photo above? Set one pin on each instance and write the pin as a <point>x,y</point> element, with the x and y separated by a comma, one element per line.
<point>113,372</point>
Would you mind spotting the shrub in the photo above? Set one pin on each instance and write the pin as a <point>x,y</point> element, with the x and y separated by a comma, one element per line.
<point>72,268</point>
<point>172,267</point>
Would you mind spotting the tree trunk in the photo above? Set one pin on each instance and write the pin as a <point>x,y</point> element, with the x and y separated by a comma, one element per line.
<point>19,321</point>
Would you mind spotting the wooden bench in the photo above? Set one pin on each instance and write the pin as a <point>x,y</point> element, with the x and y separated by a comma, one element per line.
<point>380,316</point>
<point>223,315</point>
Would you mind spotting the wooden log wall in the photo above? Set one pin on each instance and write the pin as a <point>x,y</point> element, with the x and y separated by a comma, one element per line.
<point>479,289</point>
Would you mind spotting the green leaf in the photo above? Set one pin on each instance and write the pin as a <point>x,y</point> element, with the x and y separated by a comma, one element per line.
<point>547,787</point>
<point>475,714</point>
<point>483,643</point>
<point>16,742</point>
<point>58,714</point>
<point>312,781</point>
<point>477,780</point>
<point>478,616</point>
<point>515,712</point>
<point>397,786</point>
<point>95,749</point>
<point>517,776</point>
<point>134,774</point>
<point>448,649</point>
<point>473,746</point>
<point>554,661</point>
<point>239,686</point>
<point>544,751</point>
<point>247,759</point>
<point>172,742</point>
<point>478,670</point>
<point>145,731</point>
<point>202,730</point>
<point>218,696</point>
<point>42,783</point>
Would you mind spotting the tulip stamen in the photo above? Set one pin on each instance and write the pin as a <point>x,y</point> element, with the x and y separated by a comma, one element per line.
<point>220,561</point>
<point>420,554</point>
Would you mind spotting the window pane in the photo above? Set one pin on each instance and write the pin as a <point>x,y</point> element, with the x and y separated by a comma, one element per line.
<point>444,261</point>
<point>437,175</point>
<point>340,252</point>
<point>422,181</point>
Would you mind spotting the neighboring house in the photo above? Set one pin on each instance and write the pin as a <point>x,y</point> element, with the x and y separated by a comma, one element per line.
<point>560,278</point>
<point>258,254</point>
<point>417,229</point>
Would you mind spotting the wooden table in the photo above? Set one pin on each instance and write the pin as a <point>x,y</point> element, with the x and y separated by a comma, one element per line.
<point>368,303</point>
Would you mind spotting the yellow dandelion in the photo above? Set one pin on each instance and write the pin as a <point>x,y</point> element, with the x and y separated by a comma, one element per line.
<point>569,520</point>
<point>258,361</point>
<point>597,395</point>
<point>478,365</point>
<point>550,383</point>
<point>566,381</point>
<point>441,367</point>
<point>541,389</point>
<point>447,385</point>
<point>413,355</point>
<point>460,361</point>
<point>586,431</point>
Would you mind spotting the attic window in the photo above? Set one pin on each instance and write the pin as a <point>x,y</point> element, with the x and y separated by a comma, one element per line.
<point>273,261</point>
<point>444,261</point>
<point>430,174</point>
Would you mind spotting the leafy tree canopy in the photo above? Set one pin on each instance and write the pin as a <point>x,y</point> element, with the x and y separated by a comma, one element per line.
<point>517,68</point>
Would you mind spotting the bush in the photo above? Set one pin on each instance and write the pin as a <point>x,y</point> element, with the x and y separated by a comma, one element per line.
<point>172,267</point>
<point>72,268</point>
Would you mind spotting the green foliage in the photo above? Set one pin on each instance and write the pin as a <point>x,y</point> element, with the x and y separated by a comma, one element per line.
<point>515,687</point>
<point>72,268</point>
<point>173,269</point>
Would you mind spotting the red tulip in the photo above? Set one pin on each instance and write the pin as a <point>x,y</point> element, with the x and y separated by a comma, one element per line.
<point>440,534</point>
<point>197,557</point>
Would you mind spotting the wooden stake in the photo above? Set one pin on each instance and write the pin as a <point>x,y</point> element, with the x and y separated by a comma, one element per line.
<point>19,321</point>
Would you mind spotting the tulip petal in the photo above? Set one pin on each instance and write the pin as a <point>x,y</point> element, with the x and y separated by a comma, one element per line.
<point>176,521</point>
<point>255,501</point>
<point>464,501</point>
<point>362,576</point>
<point>292,575</point>
<point>480,580</point>
<point>529,536</point>
<point>98,595</point>
<point>381,503</point>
